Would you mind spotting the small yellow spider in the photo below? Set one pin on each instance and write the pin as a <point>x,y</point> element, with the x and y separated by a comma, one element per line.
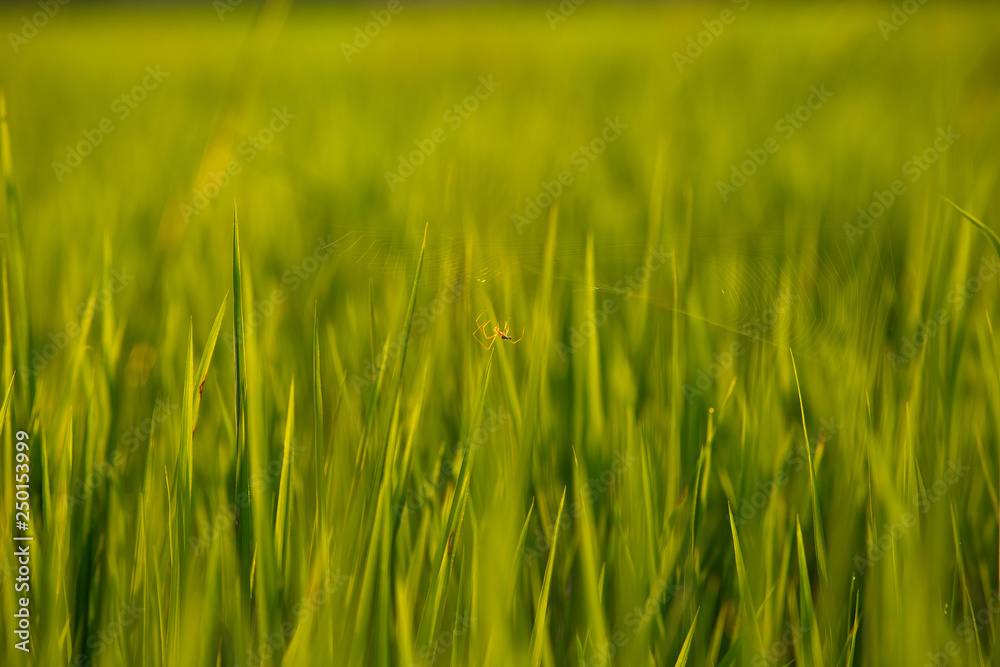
<point>497,333</point>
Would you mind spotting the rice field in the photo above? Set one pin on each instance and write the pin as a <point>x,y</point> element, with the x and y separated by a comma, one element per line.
<point>508,334</point>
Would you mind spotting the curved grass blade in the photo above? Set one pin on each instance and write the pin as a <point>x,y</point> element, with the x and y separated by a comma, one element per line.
<point>518,558</point>
<point>187,419</point>
<point>538,629</point>
<point>22,313</point>
<point>589,548</point>
<point>6,403</point>
<point>244,542</point>
<point>741,574</point>
<point>990,234</point>
<point>686,647</point>
<point>281,522</point>
<point>817,518</point>
<point>206,355</point>
<point>807,610</point>
<point>434,604</point>
<point>319,454</point>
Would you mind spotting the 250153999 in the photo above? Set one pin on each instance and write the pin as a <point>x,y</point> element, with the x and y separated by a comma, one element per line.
<point>22,550</point>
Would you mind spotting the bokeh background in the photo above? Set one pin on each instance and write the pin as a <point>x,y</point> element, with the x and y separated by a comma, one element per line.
<point>743,422</point>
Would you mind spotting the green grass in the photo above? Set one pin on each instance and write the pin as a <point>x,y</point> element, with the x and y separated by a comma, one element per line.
<point>738,431</point>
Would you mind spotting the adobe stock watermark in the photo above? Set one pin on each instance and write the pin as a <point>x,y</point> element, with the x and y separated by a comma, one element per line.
<point>942,658</point>
<point>121,108</point>
<point>795,459</point>
<point>434,649</point>
<point>913,169</point>
<point>753,328</point>
<point>227,517</point>
<point>372,29</point>
<point>423,317</point>
<point>922,501</point>
<point>697,44</point>
<point>628,286</point>
<point>581,159</point>
<point>566,8</point>
<point>106,637</point>
<point>594,488</point>
<point>634,621</point>
<point>958,297</point>
<point>786,126</point>
<point>292,278</point>
<point>901,13</point>
<point>430,484</point>
<point>776,651</point>
<point>967,630</point>
<point>317,598</point>
<point>127,443</point>
<point>31,25</point>
<point>248,151</point>
<point>454,117</point>
<point>58,340</point>
<point>223,7</point>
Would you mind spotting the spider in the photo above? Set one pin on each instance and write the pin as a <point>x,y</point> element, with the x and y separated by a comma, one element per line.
<point>497,333</point>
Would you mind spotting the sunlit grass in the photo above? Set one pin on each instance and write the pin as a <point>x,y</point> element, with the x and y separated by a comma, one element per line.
<point>734,432</point>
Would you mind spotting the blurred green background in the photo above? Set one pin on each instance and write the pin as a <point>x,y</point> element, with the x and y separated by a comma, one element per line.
<point>744,425</point>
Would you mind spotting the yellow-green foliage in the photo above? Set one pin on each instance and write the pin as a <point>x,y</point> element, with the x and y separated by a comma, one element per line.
<point>745,424</point>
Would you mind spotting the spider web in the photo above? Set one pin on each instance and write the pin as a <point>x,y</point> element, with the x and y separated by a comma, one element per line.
<point>819,292</point>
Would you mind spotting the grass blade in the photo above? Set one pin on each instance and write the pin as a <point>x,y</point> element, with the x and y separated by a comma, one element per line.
<point>749,609</point>
<point>817,518</point>
<point>990,234</point>
<point>206,355</point>
<point>538,630</point>
<point>682,658</point>
<point>284,487</point>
